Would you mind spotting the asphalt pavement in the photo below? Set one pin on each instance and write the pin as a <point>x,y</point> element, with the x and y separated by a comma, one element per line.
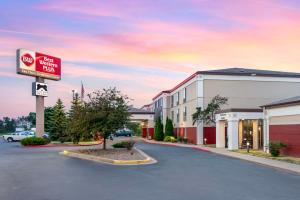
<point>181,173</point>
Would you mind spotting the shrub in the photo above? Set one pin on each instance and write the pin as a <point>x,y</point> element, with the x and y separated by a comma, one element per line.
<point>124,144</point>
<point>170,139</point>
<point>169,127</point>
<point>34,141</point>
<point>158,130</point>
<point>275,148</point>
<point>184,140</point>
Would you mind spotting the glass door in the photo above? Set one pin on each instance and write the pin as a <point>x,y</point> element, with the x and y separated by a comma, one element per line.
<point>247,135</point>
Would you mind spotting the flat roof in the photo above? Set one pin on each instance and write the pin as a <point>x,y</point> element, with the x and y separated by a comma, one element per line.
<point>235,72</point>
<point>291,100</point>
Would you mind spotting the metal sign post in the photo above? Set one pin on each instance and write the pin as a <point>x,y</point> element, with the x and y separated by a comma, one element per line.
<point>39,111</point>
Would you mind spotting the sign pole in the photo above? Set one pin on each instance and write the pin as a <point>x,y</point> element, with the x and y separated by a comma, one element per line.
<point>39,112</point>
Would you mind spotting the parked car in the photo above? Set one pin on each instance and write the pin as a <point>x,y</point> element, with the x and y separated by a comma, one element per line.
<point>123,132</point>
<point>17,136</point>
<point>46,135</point>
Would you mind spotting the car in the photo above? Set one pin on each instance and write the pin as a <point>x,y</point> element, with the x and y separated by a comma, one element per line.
<point>123,132</point>
<point>17,136</point>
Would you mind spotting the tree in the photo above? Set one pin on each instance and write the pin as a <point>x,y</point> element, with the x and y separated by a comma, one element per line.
<point>169,127</point>
<point>158,130</point>
<point>75,121</point>
<point>59,122</point>
<point>32,118</point>
<point>9,124</point>
<point>106,112</point>
<point>49,111</point>
<point>135,127</point>
<point>208,114</point>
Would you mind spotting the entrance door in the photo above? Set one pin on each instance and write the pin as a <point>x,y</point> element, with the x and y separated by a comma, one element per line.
<point>247,135</point>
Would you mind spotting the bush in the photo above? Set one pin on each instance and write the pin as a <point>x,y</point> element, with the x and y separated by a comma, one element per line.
<point>124,144</point>
<point>170,139</point>
<point>158,130</point>
<point>169,127</point>
<point>34,141</point>
<point>275,148</point>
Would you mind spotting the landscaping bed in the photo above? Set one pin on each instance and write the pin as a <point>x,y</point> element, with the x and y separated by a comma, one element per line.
<point>263,154</point>
<point>114,154</point>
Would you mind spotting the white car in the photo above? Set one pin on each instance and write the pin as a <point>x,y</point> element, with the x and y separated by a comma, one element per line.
<point>17,136</point>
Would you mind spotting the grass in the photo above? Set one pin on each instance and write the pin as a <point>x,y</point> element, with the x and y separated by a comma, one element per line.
<point>260,153</point>
<point>210,145</point>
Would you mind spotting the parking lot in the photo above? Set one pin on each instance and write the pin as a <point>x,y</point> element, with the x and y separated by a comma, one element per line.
<point>40,173</point>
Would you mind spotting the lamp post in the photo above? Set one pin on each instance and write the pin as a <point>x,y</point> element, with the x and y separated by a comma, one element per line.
<point>248,146</point>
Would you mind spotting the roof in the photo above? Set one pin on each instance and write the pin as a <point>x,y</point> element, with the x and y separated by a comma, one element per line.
<point>133,110</point>
<point>235,72</point>
<point>287,101</point>
<point>239,110</point>
<point>250,72</point>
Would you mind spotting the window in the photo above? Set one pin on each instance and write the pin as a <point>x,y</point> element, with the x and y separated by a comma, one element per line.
<point>184,114</point>
<point>172,115</point>
<point>177,115</point>
<point>172,101</point>
<point>177,99</point>
<point>184,95</point>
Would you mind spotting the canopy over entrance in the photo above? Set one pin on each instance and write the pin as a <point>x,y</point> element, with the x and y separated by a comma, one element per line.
<point>237,127</point>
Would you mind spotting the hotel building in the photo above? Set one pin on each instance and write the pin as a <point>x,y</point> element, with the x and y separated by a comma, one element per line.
<point>240,120</point>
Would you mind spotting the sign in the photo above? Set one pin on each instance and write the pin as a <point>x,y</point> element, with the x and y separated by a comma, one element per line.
<point>39,89</point>
<point>33,63</point>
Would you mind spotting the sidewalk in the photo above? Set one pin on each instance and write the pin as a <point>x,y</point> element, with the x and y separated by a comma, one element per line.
<point>222,151</point>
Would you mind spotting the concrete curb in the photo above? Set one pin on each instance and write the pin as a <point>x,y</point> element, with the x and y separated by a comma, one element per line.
<point>148,160</point>
<point>176,145</point>
<point>274,164</point>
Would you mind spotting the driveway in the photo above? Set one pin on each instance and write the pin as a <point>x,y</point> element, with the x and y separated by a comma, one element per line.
<point>42,174</point>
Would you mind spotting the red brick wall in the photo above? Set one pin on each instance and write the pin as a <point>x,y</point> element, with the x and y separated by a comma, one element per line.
<point>288,134</point>
<point>144,132</point>
<point>191,135</point>
<point>151,132</point>
<point>210,134</point>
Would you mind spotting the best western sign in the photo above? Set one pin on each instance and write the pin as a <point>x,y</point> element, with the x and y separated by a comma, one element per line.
<point>32,63</point>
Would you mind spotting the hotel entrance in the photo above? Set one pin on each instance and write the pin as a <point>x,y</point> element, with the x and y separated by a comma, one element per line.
<point>251,133</point>
<point>237,128</point>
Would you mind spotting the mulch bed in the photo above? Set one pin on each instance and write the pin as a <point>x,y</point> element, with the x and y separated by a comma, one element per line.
<point>114,154</point>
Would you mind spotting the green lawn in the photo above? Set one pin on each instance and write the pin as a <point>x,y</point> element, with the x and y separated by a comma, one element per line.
<point>263,154</point>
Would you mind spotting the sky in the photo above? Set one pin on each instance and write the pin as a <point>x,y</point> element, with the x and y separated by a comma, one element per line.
<point>141,46</point>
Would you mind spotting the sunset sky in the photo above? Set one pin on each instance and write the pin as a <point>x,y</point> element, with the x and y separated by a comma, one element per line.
<point>142,46</point>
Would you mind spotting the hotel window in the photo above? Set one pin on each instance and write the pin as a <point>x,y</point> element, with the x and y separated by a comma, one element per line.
<point>177,115</point>
<point>177,99</point>
<point>184,95</point>
<point>184,114</point>
<point>172,115</point>
<point>172,101</point>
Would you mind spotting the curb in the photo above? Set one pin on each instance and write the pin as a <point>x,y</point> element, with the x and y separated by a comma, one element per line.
<point>175,145</point>
<point>148,160</point>
<point>229,156</point>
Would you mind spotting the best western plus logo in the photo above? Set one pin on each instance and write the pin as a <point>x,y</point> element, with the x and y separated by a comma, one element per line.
<point>27,59</point>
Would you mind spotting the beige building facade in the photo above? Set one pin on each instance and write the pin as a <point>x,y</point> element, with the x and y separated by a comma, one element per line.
<point>244,88</point>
